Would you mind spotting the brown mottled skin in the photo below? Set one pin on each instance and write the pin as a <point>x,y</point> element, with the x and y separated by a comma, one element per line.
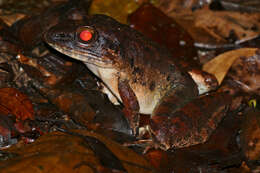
<point>192,124</point>
<point>136,71</point>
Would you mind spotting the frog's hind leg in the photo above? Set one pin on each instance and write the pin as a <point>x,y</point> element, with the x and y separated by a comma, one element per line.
<point>191,124</point>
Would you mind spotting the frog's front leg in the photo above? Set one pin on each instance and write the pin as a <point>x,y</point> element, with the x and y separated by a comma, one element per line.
<point>131,105</point>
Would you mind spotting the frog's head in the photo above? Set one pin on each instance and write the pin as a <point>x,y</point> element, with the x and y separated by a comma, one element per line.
<point>93,40</point>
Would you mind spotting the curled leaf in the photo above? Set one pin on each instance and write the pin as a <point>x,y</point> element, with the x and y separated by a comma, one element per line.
<point>220,65</point>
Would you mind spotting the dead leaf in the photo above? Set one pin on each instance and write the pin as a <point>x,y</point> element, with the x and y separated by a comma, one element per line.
<point>76,105</point>
<point>244,74</point>
<point>238,5</point>
<point>11,19</point>
<point>169,6</point>
<point>250,138</point>
<point>76,152</point>
<point>213,29</point>
<point>51,70</point>
<point>117,9</point>
<point>12,101</point>
<point>227,26</point>
<point>220,65</point>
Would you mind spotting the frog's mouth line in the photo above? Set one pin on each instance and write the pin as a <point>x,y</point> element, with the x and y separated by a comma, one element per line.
<point>86,57</point>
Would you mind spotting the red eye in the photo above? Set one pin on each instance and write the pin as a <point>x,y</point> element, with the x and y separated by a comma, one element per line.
<point>85,35</point>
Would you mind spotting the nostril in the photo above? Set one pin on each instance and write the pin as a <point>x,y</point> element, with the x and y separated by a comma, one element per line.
<point>59,35</point>
<point>62,36</point>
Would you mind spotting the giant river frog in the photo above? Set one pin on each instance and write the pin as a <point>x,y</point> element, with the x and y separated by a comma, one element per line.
<point>143,77</point>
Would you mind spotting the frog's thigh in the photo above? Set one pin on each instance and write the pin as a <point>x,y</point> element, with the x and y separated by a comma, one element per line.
<point>191,124</point>
<point>173,101</point>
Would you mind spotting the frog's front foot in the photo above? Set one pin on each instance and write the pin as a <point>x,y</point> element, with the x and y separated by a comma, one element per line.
<point>133,119</point>
<point>146,140</point>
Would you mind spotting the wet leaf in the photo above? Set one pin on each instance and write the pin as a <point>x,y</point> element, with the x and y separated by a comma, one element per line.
<point>154,24</point>
<point>220,65</point>
<point>12,101</point>
<point>74,152</point>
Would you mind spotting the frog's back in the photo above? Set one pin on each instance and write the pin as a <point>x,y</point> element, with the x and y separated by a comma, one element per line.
<point>138,53</point>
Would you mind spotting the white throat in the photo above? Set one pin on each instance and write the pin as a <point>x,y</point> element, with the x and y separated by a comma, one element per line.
<point>110,77</point>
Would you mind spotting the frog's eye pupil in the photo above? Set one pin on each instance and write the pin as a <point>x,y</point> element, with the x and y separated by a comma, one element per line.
<point>85,35</point>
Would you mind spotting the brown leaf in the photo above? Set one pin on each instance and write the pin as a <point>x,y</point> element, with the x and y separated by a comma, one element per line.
<point>227,27</point>
<point>159,159</point>
<point>250,140</point>
<point>59,152</point>
<point>220,65</point>
<point>238,5</point>
<point>169,6</point>
<point>50,70</point>
<point>162,29</point>
<point>12,101</point>
<point>8,42</point>
<point>250,136</point>
<point>244,74</point>
<point>212,29</point>
<point>76,105</point>
<point>11,19</point>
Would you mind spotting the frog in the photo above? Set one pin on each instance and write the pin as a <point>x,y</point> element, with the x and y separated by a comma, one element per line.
<point>138,73</point>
